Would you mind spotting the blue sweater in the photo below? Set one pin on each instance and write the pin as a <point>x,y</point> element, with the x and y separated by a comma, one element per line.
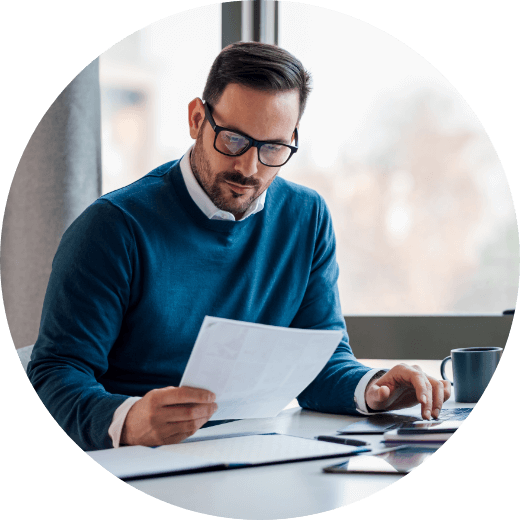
<point>138,270</point>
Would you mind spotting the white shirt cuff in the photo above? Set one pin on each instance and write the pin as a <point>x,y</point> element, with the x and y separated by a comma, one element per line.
<point>118,419</point>
<point>359,394</point>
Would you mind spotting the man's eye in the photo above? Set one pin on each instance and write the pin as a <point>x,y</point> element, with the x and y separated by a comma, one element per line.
<point>233,138</point>
<point>232,143</point>
<point>271,148</point>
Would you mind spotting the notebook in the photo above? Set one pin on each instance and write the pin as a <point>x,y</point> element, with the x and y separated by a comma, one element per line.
<point>136,462</point>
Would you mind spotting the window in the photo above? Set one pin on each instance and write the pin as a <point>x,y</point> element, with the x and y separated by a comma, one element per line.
<point>423,214</point>
<point>147,81</point>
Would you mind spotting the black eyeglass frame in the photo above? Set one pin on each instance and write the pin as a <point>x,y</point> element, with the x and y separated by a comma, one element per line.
<point>252,142</point>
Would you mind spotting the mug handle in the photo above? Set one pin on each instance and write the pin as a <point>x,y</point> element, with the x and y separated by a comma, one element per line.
<point>443,364</point>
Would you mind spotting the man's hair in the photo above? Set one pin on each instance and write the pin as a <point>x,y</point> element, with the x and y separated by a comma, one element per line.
<point>258,66</point>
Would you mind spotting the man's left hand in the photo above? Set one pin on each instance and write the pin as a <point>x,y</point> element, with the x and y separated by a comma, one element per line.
<point>404,386</point>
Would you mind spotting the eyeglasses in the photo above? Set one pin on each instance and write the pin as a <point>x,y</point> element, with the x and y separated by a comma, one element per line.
<point>231,143</point>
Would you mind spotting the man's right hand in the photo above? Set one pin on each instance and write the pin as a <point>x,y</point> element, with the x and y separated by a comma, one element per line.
<point>167,416</point>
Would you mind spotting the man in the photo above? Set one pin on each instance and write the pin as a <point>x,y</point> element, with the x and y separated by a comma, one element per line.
<point>217,233</point>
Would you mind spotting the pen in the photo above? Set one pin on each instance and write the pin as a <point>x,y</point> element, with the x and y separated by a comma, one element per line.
<point>339,440</point>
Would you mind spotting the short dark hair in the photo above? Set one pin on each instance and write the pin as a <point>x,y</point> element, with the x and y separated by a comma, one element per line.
<point>258,66</point>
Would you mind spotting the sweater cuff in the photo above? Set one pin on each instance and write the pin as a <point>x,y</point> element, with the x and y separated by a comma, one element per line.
<point>359,394</point>
<point>118,420</point>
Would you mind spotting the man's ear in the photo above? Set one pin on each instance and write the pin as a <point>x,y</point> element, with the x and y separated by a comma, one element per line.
<point>195,116</point>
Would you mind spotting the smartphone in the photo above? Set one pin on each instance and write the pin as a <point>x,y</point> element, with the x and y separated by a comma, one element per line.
<point>420,427</point>
<point>398,461</point>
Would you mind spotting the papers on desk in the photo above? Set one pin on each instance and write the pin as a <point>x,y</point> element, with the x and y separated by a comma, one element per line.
<point>134,462</point>
<point>256,370</point>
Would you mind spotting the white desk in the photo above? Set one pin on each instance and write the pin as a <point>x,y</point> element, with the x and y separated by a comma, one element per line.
<point>279,491</point>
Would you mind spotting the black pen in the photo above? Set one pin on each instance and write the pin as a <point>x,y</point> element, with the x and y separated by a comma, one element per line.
<point>341,440</point>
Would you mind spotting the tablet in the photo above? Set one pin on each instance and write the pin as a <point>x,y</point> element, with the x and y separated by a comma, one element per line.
<point>396,462</point>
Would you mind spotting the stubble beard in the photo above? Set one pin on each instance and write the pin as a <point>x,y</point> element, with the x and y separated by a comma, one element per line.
<point>212,183</point>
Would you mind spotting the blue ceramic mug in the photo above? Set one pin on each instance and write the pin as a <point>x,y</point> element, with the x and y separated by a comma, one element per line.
<point>473,368</point>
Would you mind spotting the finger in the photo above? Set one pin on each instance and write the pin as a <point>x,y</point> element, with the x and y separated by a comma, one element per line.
<point>186,412</point>
<point>383,393</point>
<point>403,375</point>
<point>411,376</point>
<point>423,391</point>
<point>170,433</point>
<point>437,396</point>
<point>187,394</point>
<point>447,389</point>
<point>177,395</point>
<point>383,397</point>
<point>378,395</point>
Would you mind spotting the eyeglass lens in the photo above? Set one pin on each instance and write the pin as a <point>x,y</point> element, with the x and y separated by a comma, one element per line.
<point>271,154</point>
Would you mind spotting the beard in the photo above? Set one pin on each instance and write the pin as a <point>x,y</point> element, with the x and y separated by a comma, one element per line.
<point>214,183</point>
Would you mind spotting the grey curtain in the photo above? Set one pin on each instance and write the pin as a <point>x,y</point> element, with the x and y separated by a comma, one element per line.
<point>58,176</point>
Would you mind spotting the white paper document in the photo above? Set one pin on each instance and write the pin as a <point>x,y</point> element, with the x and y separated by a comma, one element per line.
<point>259,449</point>
<point>256,370</point>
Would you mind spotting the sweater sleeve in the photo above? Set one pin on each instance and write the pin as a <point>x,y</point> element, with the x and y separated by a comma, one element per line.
<point>332,391</point>
<point>86,298</point>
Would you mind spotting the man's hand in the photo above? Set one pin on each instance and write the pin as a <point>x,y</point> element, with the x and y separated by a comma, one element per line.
<point>404,386</point>
<point>167,416</point>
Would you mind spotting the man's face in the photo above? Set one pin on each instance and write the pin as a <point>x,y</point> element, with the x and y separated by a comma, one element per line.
<point>233,183</point>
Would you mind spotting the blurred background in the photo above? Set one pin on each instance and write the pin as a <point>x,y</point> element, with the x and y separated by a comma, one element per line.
<point>422,210</point>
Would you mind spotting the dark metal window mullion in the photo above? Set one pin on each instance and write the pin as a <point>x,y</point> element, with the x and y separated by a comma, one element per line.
<point>261,24</point>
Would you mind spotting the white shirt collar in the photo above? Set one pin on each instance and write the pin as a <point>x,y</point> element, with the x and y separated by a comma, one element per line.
<point>202,200</point>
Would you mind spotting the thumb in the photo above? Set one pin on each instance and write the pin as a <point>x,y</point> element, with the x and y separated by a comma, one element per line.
<point>377,397</point>
<point>383,393</point>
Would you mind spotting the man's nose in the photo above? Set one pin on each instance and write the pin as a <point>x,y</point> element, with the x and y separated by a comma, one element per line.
<point>247,164</point>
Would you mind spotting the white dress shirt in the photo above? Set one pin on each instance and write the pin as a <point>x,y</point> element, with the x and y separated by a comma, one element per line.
<point>202,200</point>
<point>205,204</point>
